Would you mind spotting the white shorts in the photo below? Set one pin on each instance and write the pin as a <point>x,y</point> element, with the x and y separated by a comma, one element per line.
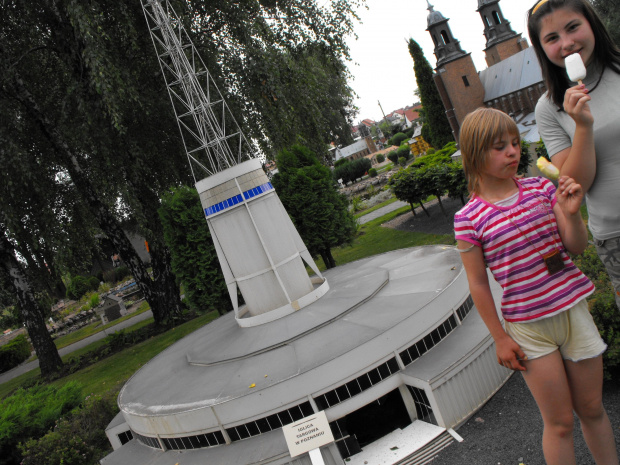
<point>572,332</point>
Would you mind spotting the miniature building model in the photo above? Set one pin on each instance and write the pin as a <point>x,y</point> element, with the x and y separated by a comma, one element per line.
<point>112,309</point>
<point>397,327</point>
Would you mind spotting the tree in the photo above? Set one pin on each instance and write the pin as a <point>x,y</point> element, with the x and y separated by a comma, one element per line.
<point>438,132</point>
<point>84,98</point>
<point>318,211</point>
<point>456,182</point>
<point>609,10</point>
<point>406,188</point>
<point>432,180</point>
<point>194,260</point>
<point>31,310</point>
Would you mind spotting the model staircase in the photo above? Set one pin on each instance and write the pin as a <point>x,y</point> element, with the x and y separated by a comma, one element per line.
<point>427,453</point>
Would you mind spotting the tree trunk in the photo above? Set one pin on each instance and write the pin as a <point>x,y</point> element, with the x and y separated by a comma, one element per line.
<point>330,258</point>
<point>412,208</point>
<point>49,359</point>
<point>443,210</point>
<point>425,211</point>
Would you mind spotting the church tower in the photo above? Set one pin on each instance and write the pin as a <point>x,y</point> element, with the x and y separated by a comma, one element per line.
<point>502,41</point>
<point>455,76</point>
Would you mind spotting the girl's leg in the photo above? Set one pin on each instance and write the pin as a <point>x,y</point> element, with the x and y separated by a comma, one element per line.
<point>585,379</point>
<point>546,378</point>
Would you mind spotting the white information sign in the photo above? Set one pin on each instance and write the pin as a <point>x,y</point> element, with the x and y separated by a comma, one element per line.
<point>308,433</point>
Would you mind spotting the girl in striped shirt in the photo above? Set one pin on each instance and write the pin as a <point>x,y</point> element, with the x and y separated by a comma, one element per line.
<point>522,229</point>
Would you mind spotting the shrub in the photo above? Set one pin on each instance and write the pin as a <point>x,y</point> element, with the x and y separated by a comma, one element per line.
<point>14,353</point>
<point>372,172</point>
<point>380,158</point>
<point>602,306</point>
<point>30,413</point>
<point>93,300</point>
<point>342,161</point>
<point>93,283</point>
<point>77,438</point>
<point>404,151</point>
<point>194,259</point>
<point>357,203</point>
<point>393,156</point>
<point>398,138</point>
<point>78,286</point>
<point>402,161</point>
<point>353,170</point>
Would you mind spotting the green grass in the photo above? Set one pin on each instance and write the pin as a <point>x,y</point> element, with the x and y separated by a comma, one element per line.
<point>374,239</point>
<point>111,373</point>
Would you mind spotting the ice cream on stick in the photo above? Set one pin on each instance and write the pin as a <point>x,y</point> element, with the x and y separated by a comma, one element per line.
<point>548,169</point>
<point>575,68</point>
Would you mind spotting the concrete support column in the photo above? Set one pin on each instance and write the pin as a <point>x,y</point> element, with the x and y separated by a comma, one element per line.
<point>409,402</point>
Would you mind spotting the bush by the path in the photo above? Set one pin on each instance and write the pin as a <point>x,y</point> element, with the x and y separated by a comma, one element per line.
<point>77,439</point>
<point>30,414</point>
<point>14,353</point>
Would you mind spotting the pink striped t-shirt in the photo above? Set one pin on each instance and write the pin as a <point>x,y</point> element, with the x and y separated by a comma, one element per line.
<point>530,292</point>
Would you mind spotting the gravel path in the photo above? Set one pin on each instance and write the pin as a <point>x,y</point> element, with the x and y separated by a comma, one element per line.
<point>509,427</point>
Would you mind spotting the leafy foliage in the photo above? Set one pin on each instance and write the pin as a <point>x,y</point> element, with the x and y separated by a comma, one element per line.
<point>526,160</point>
<point>194,260</point>
<point>80,285</point>
<point>541,150</point>
<point>398,139</point>
<point>30,413</point>
<point>436,130</point>
<point>404,151</point>
<point>372,172</point>
<point>393,156</point>
<point>14,352</point>
<point>349,172</point>
<point>602,306</point>
<point>318,211</point>
<point>77,438</point>
<point>610,13</point>
<point>380,158</point>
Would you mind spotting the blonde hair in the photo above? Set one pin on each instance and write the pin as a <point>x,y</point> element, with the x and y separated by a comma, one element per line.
<point>479,130</point>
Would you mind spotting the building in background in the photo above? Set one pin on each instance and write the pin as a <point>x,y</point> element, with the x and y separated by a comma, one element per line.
<point>512,83</point>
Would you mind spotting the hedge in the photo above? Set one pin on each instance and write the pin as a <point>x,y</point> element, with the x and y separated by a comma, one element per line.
<point>14,353</point>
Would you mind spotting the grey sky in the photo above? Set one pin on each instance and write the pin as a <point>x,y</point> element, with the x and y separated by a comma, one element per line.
<point>382,67</point>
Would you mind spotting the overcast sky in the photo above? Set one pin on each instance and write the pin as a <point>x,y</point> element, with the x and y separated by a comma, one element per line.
<point>382,67</point>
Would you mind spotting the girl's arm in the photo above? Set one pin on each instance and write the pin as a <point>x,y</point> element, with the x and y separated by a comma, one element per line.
<point>578,161</point>
<point>567,212</point>
<point>508,351</point>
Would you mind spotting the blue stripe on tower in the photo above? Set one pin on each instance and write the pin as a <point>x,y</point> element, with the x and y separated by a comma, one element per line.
<point>231,202</point>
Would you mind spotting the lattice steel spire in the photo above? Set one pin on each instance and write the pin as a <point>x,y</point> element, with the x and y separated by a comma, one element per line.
<point>212,138</point>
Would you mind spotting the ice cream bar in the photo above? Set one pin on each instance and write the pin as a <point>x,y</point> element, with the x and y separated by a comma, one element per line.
<point>549,170</point>
<point>575,68</point>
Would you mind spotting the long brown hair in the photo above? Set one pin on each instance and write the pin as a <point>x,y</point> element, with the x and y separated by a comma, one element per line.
<point>606,54</point>
<point>479,130</point>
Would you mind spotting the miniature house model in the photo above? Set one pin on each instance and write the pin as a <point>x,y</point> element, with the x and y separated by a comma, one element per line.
<point>382,345</point>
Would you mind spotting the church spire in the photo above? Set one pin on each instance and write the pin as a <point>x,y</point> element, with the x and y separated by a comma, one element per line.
<point>447,48</point>
<point>502,41</point>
